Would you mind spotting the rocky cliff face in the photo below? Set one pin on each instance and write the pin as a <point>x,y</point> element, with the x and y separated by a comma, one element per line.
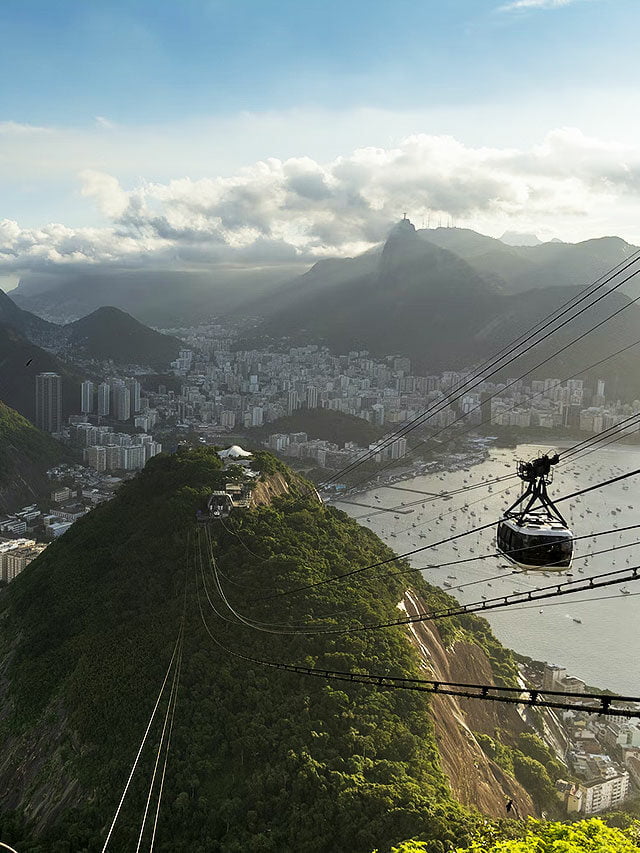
<point>475,780</point>
<point>275,486</point>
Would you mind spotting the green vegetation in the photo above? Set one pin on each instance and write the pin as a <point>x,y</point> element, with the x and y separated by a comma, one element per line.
<point>585,836</point>
<point>19,436</point>
<point>325,424</point>
<point>25,455</point>
<point>261,760</point>
<point>531,762</point>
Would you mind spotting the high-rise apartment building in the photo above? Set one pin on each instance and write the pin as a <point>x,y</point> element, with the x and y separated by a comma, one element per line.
<point>312,397</point>
<point>86,397</point>
<point>134,390</point>
<point>104,399</point>
<point>293,402</point>
<point>97,458</point>
<point>122,403</point>
<point>228,419</point>
<point>49,402</point>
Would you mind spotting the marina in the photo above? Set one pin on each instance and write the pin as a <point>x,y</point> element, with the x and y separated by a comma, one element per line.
<point>593,639</point>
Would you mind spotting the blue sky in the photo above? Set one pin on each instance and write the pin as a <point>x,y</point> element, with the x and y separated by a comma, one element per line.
<point>144,62</point>
<point>118,115</point>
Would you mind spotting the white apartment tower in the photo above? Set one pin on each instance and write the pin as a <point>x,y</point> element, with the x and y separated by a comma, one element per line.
<point>86,397</point>
<point>312,397</point>
<point>104,399</point>
<point>134,389</point>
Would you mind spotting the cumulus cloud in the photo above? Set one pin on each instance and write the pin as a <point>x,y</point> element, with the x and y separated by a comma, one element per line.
<point>299,209</point>
<point>106,190</point>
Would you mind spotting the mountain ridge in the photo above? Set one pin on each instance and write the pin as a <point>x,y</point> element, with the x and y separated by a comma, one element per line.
<point>427,303</point>
<point>110,333</point>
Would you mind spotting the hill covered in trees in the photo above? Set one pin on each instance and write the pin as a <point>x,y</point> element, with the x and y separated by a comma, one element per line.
<point>261,759</point>
<point>25,455</point>
<point>585,836</point>
<point>326,424</point>
<point>110,333</point>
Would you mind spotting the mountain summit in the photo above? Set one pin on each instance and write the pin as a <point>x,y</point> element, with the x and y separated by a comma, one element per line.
<point>110,333</point>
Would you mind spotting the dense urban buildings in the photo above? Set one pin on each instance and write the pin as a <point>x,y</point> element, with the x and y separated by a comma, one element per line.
<point>15,555</point>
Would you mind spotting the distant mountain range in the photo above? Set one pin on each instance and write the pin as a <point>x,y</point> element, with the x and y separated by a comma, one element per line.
<point>30,345</point>
<point>515,269</point>
<point>159,298</point>
<point>446,306</point>
<point>445,297</point>
<point>168,299</point>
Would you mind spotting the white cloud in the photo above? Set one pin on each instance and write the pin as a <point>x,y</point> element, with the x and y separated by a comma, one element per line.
<point>536,4</point>
<point>16,129</point>
<point>102,121</point>
<point>279,210</point>
<point>105,189</point>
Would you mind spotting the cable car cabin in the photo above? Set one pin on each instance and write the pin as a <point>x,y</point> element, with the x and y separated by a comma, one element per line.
<point>219,506</point>
<point>532,533</point>
<point>535,543</point>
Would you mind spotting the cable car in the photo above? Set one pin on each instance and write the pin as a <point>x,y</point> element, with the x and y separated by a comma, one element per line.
<point>532,532</point>
<point>219,506</point>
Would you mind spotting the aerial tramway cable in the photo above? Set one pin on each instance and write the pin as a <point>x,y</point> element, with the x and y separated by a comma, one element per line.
<point>543,593</point>
<point>168,715</point>
<point>262,625</point>
<point>509,695</point>
<point>175,658</point>
<point>480,373</point>
<point>444,541</point>
<point>598,581</point>
<point>164,771</point>
<point>487,421</point>
<point>143,741</point>
<point>519,378</point>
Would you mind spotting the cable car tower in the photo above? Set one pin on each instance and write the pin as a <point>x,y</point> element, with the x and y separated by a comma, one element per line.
<point>532,533</point>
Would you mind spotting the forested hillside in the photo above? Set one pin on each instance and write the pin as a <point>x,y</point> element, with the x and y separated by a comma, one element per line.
<point>261,759</point>
<point>325,424</point>
<point>25,455</point>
